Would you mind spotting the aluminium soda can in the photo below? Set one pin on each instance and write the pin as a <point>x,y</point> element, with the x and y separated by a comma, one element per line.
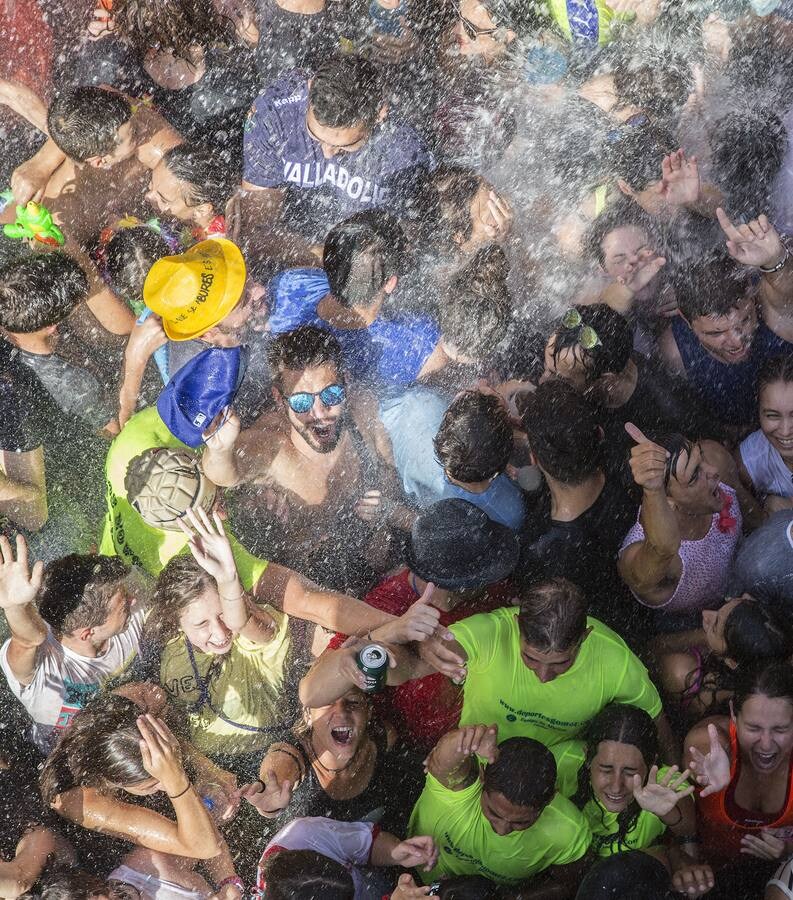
<point>372,660</point>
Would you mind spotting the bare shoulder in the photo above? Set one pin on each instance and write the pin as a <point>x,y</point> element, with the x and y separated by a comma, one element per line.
<point>676,670</point>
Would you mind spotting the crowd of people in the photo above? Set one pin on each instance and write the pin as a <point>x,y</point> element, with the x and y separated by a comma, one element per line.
<point>396,449</point>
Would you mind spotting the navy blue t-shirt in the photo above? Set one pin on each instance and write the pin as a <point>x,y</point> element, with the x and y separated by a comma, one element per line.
<point>279,152</point>
<point>391,351</point>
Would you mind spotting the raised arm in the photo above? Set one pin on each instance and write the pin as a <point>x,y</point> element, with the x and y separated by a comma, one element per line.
<point>708,745</point>
<point>18,875</point>
<point>221,454</point>
<point>19,586</point>
<point>453,760</point>
<point>651,567</point>
<point>24,102</point>
<point>193,834</point>
<point>23,488</point>
<point>209,544</point>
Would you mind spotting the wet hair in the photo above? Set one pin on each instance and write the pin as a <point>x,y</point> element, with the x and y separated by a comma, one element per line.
<point>659,88</point>
<point>622,724</point>
<point>476,310</point>
<point>747,150</point>
<point>773,369</point>
<point>466,887</point>
<point>563,431</point>
<point>474,441</point>
<point>304,875</point>
<point>304,348</point>
<point>68,884</point>
<point>361,254</point>
<point>346,91</point>
<point>175,25</point>
<point>127,259</point>
<point>76,590</point>
<point>84,121</point>
<point>552,615</point>
<point>100,749</point>
<point>456,188</point>
<point>524,772</point>
<point>712,288</point>
<point>772,680</point>
<point>180,583</point>
<point>623,213</point>
<point>630,875</point>
<point>615,335</point>
<point>637,153</point>
<point>753,632</point>
<point>205,174</point>
<point>40,290</point>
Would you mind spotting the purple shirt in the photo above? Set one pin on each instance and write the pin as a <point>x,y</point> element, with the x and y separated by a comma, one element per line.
<point>279,152</point>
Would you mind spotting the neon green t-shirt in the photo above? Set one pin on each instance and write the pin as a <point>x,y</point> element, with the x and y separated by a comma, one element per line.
<point>125,534</point>
<point>500,688</point>
<point>246,688</point>
<point>469,846</point>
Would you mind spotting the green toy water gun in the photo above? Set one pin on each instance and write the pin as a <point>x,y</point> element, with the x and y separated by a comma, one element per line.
<point>34,222</point>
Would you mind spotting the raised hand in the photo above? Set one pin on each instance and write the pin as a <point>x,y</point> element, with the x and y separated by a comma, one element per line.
<point>416,851</point>
<point>161,754</point>
<point>648,460</point>
<point>502,215</point>
<point>18,584</point>
<point>694,880</point>
<point>765,845</point>
<point>419,623</point>
<point>661,797</point>
<point>443,659</point>
<point>712,771</point>
<point>407,889</point>
<point>269,797</point>
<point>374,507</point>
<point>223,431</point>
<point>756,243</point>
<point>641,270</point>
<point>209,544</point>
<point>479,740</point>
<point>679,184</point>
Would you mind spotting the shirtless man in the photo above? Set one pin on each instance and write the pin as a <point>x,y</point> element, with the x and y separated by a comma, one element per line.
<point>94,170</point>
<point>318,462</point>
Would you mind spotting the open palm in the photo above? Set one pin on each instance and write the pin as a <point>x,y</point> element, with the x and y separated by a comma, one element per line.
<point>661,797</point>
<point>712,770</point>
<point>754,243</point>
<point>18,584</point>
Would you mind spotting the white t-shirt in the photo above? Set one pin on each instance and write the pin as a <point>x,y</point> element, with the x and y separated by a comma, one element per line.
<point>765,466</point>
<point>347,843</point>
<point>64,681</point>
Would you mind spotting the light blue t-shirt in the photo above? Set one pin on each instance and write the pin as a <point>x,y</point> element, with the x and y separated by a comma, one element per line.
<point>412,420</point>
<point>390,350</point>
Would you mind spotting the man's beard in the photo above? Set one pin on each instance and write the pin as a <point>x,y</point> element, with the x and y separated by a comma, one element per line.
<point>323,439</point>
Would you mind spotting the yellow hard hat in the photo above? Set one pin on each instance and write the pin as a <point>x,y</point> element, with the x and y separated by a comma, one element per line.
<point>193,291</point>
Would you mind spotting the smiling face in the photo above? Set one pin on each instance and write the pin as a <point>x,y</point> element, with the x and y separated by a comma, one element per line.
<point>505,817</point>
<point>611,773</point>
<point>765,732</point>
<point>479,34</point>
<point>728,337</point>
<point>322,426</point>
<point>776,417</point>
<point>694,485</point>
<point>166,193</point>
<point>341,728</point>
<point>714,622</point>
<point>203,625</point>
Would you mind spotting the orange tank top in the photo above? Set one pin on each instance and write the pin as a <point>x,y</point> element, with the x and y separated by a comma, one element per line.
<point>722,824</point>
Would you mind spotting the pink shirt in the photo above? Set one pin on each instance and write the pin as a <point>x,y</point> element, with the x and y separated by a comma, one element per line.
<point>706,562</point>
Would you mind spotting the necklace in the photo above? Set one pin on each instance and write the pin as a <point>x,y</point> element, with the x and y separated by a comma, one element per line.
<point>324,767</point>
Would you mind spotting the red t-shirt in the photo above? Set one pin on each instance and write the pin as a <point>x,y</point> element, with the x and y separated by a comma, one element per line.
<point>427,708</point>
<point>27,45</point>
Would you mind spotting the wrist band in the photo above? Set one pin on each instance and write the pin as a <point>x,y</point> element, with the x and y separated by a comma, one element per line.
<point>778,266</point>
<point>177,796</point>
<point>233,879</point>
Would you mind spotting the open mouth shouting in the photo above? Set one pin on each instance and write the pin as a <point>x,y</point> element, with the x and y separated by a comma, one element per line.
<point>342,735</point>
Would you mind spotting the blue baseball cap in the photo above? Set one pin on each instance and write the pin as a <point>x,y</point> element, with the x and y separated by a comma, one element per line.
<point>201,389</point>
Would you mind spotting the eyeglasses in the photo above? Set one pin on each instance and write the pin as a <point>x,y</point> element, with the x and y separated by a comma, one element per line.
<point>302,401</point>
<point>471,30</point>
<point>345,148</point>
<point>587,336</point>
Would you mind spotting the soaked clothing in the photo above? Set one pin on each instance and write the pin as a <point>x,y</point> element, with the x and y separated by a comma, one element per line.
<point>765,466</point>
<point>722,823</point>
<point>763,565</point>
<point>279,152</point>
<point>727,389</point>
<point>386,800</point>
<point>706,562</point>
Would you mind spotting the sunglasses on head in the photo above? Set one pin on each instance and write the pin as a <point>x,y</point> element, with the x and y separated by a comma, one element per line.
<point>587,336</point>
<point>639,120</point>
<point>473,31</point>
<point>303,401</point>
